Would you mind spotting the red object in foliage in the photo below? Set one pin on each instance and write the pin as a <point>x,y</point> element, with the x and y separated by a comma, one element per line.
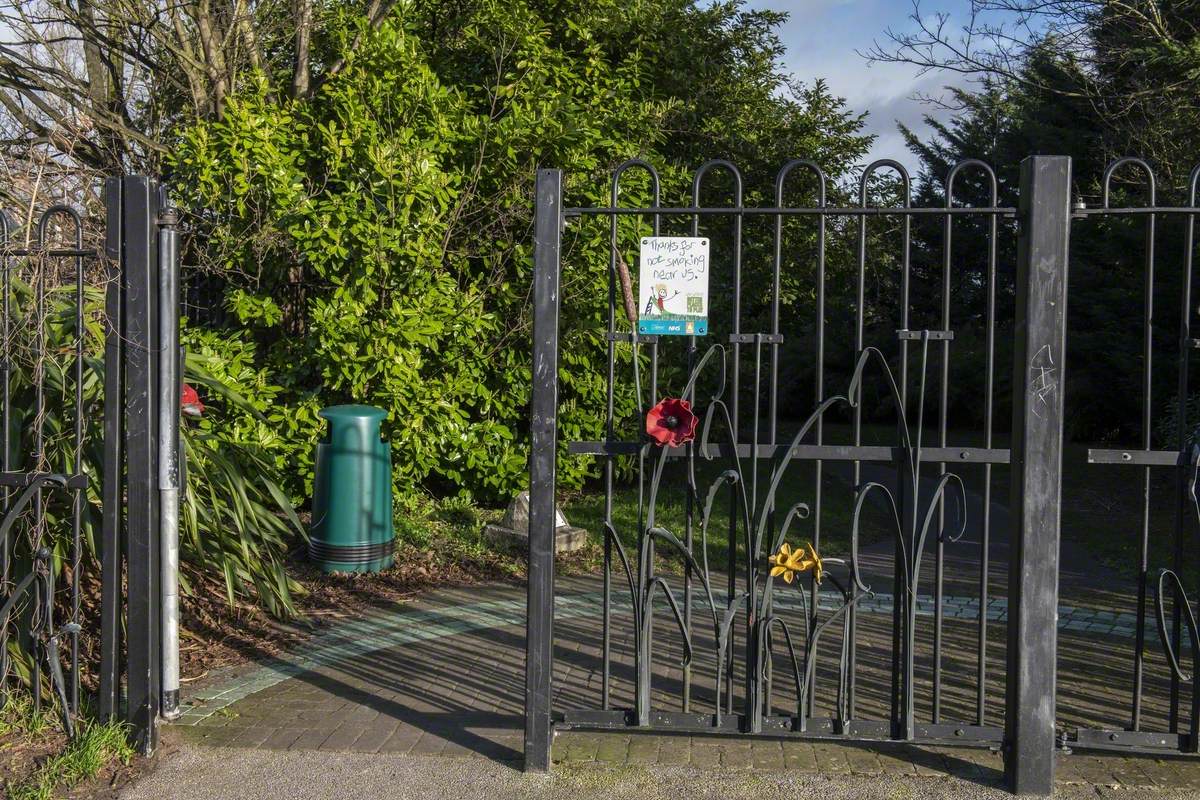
<point>190,403</point>
<point>671,422</point>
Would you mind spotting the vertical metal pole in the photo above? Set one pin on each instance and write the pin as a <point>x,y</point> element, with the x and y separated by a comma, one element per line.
<point>1038,358</point>
<point>139,212</point>
<point>112,491</point>
<point>539,635</point>
<point>8,228</point>
<point>168,450</point>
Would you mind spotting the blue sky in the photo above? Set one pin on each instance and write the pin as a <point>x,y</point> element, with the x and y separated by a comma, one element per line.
<point>822,37</point>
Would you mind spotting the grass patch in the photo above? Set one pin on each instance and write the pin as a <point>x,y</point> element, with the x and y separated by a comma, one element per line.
<point>54,764</point>
<point>830,511</point>
<point>1101,511</point>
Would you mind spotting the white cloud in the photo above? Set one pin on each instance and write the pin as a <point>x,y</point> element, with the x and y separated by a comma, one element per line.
<point>824,39</point>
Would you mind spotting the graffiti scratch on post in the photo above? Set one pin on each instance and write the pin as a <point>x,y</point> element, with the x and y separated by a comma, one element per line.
<point>1043,381</point>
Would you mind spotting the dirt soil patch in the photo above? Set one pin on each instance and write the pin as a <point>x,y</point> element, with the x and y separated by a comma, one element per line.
<point>216,636</point>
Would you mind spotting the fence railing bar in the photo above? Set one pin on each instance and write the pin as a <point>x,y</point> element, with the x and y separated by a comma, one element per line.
<point>828,452</point>
<point>1135,211</point>
<point>50,252</point>
<point>822,211</point>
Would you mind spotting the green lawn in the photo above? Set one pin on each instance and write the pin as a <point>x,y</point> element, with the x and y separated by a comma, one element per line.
<point>586,509</point>
<point>1102,504</point>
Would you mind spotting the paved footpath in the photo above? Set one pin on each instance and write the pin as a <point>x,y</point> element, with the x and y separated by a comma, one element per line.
<point>425,701</point>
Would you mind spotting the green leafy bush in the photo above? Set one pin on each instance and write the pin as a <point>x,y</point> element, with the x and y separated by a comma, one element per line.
<point>236,521</point>
<point>376,241</point>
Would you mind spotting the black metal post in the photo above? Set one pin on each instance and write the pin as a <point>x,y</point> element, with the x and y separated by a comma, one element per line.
<point>1039,349</point>
<point>113,488</point>
<point>543,424</point>
<point>142,353</point>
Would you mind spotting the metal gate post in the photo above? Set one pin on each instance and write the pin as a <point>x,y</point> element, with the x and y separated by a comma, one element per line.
<point>1040,327</point>
<point>113,491</point>
<point>142,354</point>
<point>543,431</point>
<point>170,387</point>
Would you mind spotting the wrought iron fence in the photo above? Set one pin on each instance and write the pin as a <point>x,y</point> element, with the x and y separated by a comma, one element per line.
<point>86,339</point>
<point>742,621</point>
<point>1162,584</point>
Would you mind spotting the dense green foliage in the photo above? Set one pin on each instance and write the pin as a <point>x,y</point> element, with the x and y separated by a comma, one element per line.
<point>236,521</point>
<point>375,240</point>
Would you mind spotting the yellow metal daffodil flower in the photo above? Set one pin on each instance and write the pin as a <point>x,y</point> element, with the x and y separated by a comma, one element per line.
<point>787,562</point>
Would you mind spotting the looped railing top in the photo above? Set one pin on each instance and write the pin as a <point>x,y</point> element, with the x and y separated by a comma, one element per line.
<point>820,209</point>
<point>1150,185</point>
<point>875,166</point>
<point>655,186</point>
<point>972,163</point>
<point>709,166</point>
<point>812,166</point>
<point>59,210</point>
<point>39,246</point>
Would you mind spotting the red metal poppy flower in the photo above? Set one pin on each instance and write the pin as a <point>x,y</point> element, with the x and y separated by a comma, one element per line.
<point>190,402</point>
<point>671,422</point>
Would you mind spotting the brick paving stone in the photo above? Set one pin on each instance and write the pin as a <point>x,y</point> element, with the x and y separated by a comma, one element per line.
<point>1170,773</point>
<point>799,756</point>
<point>1129,772</point>
<point>341,738</point>
<point>736,755</point>
<point>401,740</point>
<point>310,739</point>
<point>459,692</point>
<point>375,733</point>
<point>966,769</point>
<point>675,750</point>
<point>929,763</point>
<point>430,744</point>
<point>1096,770</point>
<point>894,763</point>
<point>613,748</point>
<point>221,737</point>
<point>706,753</point>
<point>578,746</point>
<point>767,754</point>
<point>252,736</point>
<point>505,748</point>
<point>832,758</point>
<point>643,749</point>
<point>863,762</point>
<point>282,738</point>
<point>455,749</point>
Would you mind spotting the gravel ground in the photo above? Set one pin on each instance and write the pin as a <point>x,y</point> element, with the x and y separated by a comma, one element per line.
<point>189,772</point>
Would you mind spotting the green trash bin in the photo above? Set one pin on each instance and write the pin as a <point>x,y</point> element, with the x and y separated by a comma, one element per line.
<point>352,497</point>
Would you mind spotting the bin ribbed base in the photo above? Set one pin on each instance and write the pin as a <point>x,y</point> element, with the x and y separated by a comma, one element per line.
<point>351,558</point>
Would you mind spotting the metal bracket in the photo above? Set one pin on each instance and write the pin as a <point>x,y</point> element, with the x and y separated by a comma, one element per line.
<point>756,338</point>
<point>626,336</point>
<point>916,336</point>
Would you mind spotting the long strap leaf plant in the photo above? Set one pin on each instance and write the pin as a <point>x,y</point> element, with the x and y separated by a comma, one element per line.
<point>237,524</point>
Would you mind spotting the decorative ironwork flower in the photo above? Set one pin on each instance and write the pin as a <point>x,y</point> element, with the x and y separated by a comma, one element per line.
<point>787,562</point>
<point>671,422</point>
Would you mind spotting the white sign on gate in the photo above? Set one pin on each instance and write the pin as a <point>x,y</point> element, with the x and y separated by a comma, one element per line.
<point>673,286</point>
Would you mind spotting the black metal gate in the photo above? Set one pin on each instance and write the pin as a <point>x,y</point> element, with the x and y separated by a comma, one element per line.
<point>862,663</point>
<point>1162,714</point>
<point>84,336</point>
